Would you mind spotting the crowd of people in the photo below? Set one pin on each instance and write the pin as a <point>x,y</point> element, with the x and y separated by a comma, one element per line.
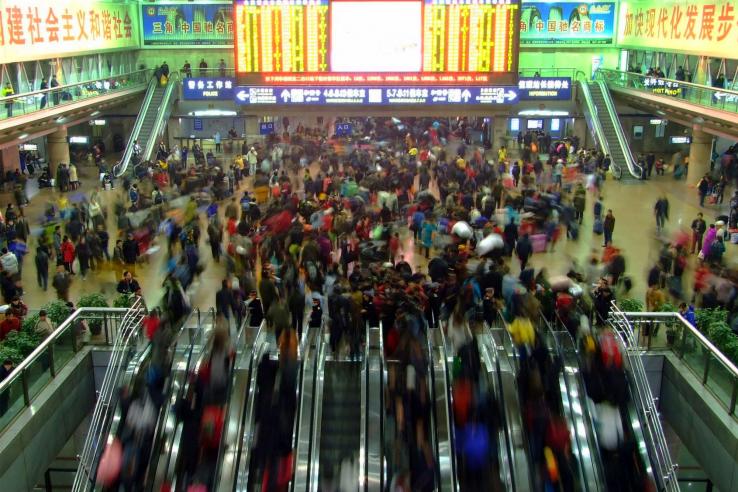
<point>321,236</point>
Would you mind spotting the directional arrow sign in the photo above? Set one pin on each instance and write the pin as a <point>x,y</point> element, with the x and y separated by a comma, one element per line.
<point>242,95</point>
<point>466,95</point>
<point>511,95</point>
<point>285,95</point>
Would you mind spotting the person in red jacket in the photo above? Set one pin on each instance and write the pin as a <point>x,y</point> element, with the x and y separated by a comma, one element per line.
<point>10,323</point>
<point>67,251</point>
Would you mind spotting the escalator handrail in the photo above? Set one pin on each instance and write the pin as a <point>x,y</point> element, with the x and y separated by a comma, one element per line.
<point>243,460</point>
<point>120,168</point>
<point>665,469</point>
<point>128,334</point>
<point>304,347</point>
<point>317,414</point>
<point>444,353</point>
<point>195,361</point>
<point>165,413</point>
<point>372,477</point>
<point>162,116</point>
<point>489,350</point>
<point>246,343</point>
<point>445,470</point>
<point>304,448</point>
<point>574,396</point>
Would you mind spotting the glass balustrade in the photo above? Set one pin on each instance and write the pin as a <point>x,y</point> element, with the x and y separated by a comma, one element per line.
<point>29,378</point>
<point>22,104</point>
<point>711,97</point>
<point>669,331</point>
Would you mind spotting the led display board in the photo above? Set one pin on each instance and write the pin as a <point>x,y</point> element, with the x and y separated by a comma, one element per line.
<point>544,88</point>
<point>701,27</point>
<point>43,29</point>
<point>187,24</point>
<point>199,89</point>
<point>310,95</point>
<point>568,23</point>
<point>662,86</point>
<point>376,42</point>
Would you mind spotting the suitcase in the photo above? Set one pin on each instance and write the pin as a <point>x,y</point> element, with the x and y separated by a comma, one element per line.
<point>598,227</point>
<point>538,241</point>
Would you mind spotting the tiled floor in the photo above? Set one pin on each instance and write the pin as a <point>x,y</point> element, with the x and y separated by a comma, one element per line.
<point>631,202</point>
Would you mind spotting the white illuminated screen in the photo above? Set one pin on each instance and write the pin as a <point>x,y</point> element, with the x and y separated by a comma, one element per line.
<point>376,36</point>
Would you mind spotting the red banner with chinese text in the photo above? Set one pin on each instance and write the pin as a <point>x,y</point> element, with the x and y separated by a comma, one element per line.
<point>43,29</point>
<point>701,27</point>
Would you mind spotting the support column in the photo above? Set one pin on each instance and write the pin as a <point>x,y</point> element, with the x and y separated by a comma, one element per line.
<point>10,159</point>
<point>57,150</point>
<point>252,128</point>
<point>700,153</point>
<point>499,132</point>
<point>580,130</point>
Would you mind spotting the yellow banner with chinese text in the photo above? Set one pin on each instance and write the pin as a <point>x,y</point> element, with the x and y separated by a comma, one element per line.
<point>700,27</point>
<point>44,29</point>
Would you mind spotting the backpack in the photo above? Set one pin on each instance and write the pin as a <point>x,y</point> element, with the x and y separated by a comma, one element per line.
<point>158,198</point>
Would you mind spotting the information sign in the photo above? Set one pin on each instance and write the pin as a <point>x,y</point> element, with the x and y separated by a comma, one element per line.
<point>376,95</point>
<point>199,89</point>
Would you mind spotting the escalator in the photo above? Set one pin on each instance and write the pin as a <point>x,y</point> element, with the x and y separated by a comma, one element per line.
<point>481,421</point>
<point>187,358</point>
<point>178,465</point>
<point>608,131</point>
<point>626,431</point>
<point>576,408</point>
<point>108,419</point>
<point>150,123</point>
<point>337,426</point>
<point>499,373</point>
<point>274,408</point>
<point>582,469</point>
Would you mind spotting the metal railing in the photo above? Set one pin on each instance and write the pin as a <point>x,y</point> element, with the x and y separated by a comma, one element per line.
<point>26,381</point>
<point>127,340</point>
<point>703,95</point>
<point>548,72</point>
<point>30,102</point>
<point>670,331</point>
<point>645,403</point>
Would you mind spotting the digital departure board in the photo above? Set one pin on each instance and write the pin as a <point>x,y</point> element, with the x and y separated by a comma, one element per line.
<point>456,42</point>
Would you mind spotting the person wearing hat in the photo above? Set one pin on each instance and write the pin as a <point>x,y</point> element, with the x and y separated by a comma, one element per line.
<point>252,159</point>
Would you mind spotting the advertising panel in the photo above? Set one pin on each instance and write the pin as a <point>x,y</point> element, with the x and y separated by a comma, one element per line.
<point>567,23</point>
<point>700,27</point>
<point>187,24</point>
<point>376,41</point>
<point>307,95</point>
<point>43,29</point>
<point>544,88</point>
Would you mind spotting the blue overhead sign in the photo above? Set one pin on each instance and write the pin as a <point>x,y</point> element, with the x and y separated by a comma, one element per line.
<point>308,95</point>
<point>200,89</point>
<point>344,129</point>
<point>544,88</point>
<point>266,128</point>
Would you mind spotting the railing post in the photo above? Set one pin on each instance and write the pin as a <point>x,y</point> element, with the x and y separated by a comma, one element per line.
<point>733,397</point>
<point>683,343</point>
<point>26,393</point>
<point>47,481</point>
<point>50,355</point>
<point>707,366</point>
